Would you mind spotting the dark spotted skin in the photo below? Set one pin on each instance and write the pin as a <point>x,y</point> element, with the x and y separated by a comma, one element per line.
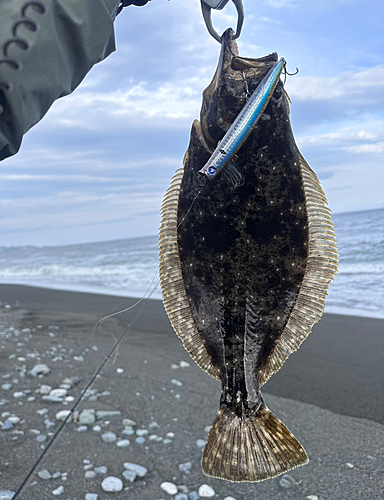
<point>243,250</point>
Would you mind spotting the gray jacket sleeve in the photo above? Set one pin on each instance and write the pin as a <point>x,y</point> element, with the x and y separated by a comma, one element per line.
<point>37,66</point>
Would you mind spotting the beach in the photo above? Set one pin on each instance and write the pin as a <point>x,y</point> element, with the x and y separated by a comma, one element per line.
<point>329,394</point>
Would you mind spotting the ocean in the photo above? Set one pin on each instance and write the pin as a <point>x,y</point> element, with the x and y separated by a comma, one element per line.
<point>128,267</point>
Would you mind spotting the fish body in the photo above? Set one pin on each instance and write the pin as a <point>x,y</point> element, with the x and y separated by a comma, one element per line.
<point>245,267</point>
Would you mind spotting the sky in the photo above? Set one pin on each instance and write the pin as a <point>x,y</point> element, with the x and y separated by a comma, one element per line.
<point>98,164</point>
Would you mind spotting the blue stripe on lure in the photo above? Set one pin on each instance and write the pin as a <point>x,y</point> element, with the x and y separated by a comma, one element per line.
<point>244,123</point>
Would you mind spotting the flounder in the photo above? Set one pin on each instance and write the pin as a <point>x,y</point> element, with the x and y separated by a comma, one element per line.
<point>245,266</point>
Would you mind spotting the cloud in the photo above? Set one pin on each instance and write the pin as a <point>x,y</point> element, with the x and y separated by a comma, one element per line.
<point>367,148</point>
<point>264,19</point>
<point>88,179</point>
<point>353,138</point>
<point>75,208</point>
<point>359,88</point>
<point>278,4</point>
<point>97,165</point>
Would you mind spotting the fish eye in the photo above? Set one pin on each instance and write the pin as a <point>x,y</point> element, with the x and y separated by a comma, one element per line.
<point>212,170</point>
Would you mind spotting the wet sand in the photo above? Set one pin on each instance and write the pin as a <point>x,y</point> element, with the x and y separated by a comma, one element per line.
<point>329,394</point>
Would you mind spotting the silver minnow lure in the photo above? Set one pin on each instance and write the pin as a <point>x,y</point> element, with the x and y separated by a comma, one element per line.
<point>244,123</point>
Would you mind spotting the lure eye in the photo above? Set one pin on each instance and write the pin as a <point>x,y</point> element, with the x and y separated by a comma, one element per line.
<point>211,170</point>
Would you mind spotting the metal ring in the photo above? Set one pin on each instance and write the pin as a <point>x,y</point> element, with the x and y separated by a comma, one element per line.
<point>206,9</point>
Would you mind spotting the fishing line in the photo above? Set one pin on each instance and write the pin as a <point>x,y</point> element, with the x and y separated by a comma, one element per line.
<point>154,276</point>
<point>54,437</point>
<point>193,201</point>
<point>113,351</point>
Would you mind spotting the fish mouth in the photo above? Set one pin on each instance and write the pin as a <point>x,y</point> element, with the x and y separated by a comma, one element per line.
<point>234,80</point>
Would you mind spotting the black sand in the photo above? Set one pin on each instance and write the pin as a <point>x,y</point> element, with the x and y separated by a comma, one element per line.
<point>329,394</point>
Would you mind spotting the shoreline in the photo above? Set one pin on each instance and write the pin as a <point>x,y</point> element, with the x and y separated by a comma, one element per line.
<point>338,367</point>
<point>332,379</point>
<point>342,311</point>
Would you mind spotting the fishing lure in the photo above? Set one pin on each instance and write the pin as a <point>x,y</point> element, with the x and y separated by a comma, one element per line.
<point>244,124</point>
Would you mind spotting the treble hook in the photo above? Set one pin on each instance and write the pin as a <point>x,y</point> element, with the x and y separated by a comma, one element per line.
<point>208,5</point>
<point>286,73</point>
<point>244,75</point>
<point>291,74</point>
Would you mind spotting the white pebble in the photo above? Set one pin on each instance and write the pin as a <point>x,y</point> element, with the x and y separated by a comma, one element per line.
<point>174,381</point>
<point>109,437</point>
<point>311,497</point>
<point>141,432</point>
<point>123,443</point>
<point>129,475</point>
<point>111,484</point>
<point>138,469</point>
<point>6,494</point>
<point>119,370</point>
<point>91,496</point>
<point>181,496</point>
<point>45,389</point>
<point>87,416</point>
<point>184,364</point>
<point>90,474</point>
<point>96,428</point>
<point>229,498</point>
<point>14,419</point>
<point>41,369</point>
<point>348,464</point>
<point>127,422</point>
<point>200,443</point>
<point>206,491</point>
<point>128,431</point>
<point>58,491</point>
<point>18,394</point>
<point>62,415</point>
<point>58,393</point>
<point>169,488</point>
<point>186,468</point>
<point>287,481</point>
<point>101,470</point>
<point>44,474</point>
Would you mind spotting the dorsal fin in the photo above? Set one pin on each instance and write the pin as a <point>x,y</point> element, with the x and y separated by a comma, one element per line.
<point>175,298</point>
<point>321,268</point>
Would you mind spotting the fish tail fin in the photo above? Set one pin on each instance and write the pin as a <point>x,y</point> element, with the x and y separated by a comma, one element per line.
<point>250,448</point>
